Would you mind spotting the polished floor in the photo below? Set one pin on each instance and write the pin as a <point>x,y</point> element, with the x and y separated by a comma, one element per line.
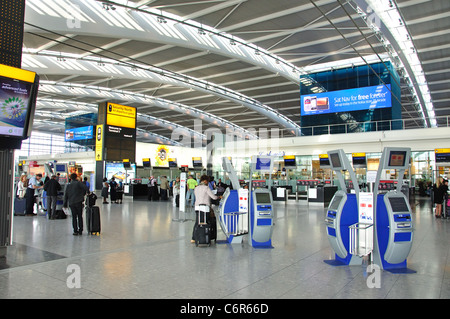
<point>143,253</point>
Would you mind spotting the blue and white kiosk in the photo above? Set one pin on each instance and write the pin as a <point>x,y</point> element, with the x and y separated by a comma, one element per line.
<point>342,212</point>
<point>233,208</point>
<point>393,224</point>
<point>248,211</point>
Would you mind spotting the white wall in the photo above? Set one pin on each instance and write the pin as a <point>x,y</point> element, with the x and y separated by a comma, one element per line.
<point>182,154</point>
<point>369,142</point>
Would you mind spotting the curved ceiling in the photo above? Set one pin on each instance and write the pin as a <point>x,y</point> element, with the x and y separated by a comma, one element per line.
<point>233,65</point>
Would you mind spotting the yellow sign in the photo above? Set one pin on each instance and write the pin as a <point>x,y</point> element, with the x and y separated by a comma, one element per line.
<point>289,157</point>
<point>358,154</point>
<point>16,73</point>
<point>99,143</point>
<point>120,115</point>
<point>442,150</point>
<point>323,155</point>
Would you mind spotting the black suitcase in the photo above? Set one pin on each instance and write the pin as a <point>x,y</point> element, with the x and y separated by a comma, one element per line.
<point>20,206</point>
<point>213,224</point>
<point>202,232</point>
<point>93,220</point>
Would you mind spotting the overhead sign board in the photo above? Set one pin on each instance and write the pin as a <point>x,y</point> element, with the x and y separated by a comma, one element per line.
<point>121,115</point>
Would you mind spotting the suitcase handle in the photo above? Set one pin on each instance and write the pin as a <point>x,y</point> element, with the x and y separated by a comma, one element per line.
<point>200,213</point>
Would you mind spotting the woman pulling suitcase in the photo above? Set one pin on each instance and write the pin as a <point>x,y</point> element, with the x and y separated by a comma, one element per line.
<point>203,196</point>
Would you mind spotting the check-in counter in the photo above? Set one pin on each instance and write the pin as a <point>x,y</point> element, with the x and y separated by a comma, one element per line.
<point>321,194</point>
<point>137,191</point>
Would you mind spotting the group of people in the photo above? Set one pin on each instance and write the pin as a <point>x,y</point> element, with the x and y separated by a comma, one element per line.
<point>164,188</point>
<point>114,189</point>
<point>216,188</point>
<point>31,189</point>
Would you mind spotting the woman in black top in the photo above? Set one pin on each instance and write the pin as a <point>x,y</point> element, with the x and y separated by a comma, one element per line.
<point>439,197</point>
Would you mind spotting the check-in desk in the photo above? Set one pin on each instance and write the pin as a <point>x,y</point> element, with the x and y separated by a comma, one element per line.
<point>321,194</point>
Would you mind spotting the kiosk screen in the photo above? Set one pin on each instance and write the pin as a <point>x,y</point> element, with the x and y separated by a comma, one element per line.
<point>397,158</point>
<point>262,198</point>
<point>398,204</point>
<point>335,160</point>
<point>335,203</point>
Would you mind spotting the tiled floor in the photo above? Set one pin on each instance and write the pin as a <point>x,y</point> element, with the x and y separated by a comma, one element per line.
<point>142,253</point>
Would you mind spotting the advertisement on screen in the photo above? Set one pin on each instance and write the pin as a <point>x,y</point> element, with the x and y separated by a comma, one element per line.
<point>14,98</point>
<point>79,133</point>
<point>371,97</point>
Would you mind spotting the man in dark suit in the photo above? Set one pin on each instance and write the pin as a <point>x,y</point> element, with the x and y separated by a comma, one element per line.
<point>51,187</point>
<point>74,198</point>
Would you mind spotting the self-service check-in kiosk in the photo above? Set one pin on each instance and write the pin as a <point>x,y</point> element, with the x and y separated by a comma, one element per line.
<point>248,211</point>
<point>342,212</point>
<point>261,206</point>
<point>393,224</point>
<point>233,208</point>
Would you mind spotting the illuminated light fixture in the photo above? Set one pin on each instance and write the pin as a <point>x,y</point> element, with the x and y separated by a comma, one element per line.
<point>201,31</point>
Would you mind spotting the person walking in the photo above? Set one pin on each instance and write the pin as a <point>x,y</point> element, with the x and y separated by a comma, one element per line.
<point>51,188</point>
<point>191,184</point>
<point>74,198</point>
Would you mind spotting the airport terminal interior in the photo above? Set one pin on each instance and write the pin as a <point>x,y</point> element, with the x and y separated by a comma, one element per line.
<point>318,127</point>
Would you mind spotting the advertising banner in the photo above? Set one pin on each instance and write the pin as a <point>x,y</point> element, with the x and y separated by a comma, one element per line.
<point>371,97</point>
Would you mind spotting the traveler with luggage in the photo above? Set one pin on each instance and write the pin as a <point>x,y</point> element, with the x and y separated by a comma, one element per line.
<point>113,190</point>
<point>203,196</point>
<point>52,187</point>
<point>74,198</point>
<point>22,186</point>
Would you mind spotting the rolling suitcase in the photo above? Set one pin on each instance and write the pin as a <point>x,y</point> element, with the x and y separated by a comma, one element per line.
<point>93,220</point>
<point>20,206</point>
<point>202,231</point>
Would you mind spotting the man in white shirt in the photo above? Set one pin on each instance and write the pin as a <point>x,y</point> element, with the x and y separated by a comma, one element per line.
<point>33,184</point>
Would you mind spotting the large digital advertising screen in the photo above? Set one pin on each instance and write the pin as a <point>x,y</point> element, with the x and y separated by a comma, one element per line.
<point>371,97</point>
<point>79,133</point>
<point>14,99</point>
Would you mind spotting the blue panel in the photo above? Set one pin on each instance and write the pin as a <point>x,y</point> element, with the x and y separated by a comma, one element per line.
<point>331,231</point>
<point>264,221</point>
<point>402,237</point>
